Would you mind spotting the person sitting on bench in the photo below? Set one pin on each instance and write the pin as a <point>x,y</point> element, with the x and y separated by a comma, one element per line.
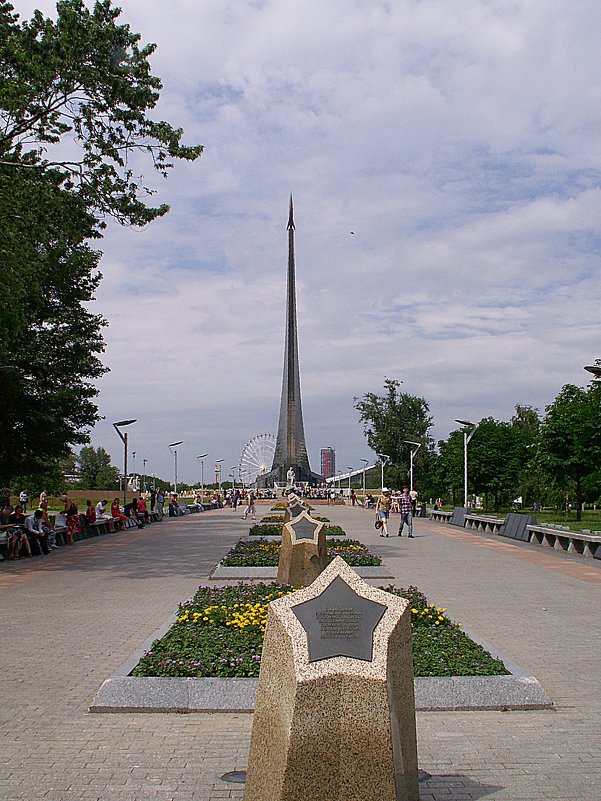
<point>117,514</point>
<point>34,530</point>
<point>17,534</point>
<point>131,510</point>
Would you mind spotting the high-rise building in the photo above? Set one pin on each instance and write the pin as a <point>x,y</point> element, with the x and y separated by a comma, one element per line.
<point>328,462</point>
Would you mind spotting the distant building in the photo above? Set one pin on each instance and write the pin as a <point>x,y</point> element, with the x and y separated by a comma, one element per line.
<point>328,462</point>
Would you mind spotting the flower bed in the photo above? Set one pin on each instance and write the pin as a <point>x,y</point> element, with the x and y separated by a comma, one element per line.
<point>275,530</point>
<point>220,631</point>
<point>262,553</point>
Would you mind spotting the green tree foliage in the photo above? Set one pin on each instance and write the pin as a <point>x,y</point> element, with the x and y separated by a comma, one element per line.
<point>48,338</point>
<point>75,132</point>
<point>96,471</point>
<point>448,476</point>
<point>391,418</point>
<point>495,461</point>
<point>501,459</point>
<point>86,78</point>
<point>570,441</point>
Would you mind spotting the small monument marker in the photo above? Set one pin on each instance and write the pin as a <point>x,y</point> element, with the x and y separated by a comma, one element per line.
<point>303,552</point>
<point>335,713</point>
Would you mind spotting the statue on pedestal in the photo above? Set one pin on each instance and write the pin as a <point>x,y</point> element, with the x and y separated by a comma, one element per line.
<point>290,478</point>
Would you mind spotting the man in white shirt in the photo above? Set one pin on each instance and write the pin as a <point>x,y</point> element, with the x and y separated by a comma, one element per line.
<point>33,528</point>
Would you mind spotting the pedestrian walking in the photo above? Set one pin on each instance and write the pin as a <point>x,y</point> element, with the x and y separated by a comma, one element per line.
<point>406,513</point>
<point>383,510</point>
<point>250,506</point>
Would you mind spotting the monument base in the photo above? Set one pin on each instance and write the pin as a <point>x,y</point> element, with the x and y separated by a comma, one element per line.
<point>328,728</point>
<point>279,476</point>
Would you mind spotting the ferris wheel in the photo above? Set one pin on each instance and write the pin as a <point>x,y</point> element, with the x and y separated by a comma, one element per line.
<point>256,458</point>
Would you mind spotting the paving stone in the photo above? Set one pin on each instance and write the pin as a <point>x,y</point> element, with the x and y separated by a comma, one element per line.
<point>102,598</point>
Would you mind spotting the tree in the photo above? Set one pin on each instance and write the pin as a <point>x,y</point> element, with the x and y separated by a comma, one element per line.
<point>571,439</point>
<point>75,94</point>
<point>96,471</point>
<point>49,339</point>
<point>448,476</point>
<point>86,78</point>
<point>495,462</point>
<point>390,419</point>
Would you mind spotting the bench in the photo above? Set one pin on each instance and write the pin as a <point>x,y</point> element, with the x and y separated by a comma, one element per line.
<point>440,516</point>
<point>561,538</point>
<point>484,523</point>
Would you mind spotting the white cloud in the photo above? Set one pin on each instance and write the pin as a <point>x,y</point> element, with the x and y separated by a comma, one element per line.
<point>459,142</point>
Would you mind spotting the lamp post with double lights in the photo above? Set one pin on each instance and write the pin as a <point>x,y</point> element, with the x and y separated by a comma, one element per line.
<point>466,441</point>
<point>202,475</point>
<point>414,450</point>
<point>174,445</point>
<point>365,463</point>
<point>123,438</point>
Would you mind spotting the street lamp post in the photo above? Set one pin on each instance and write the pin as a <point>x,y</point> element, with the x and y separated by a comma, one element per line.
<point>202,475</point>
<point>365,463</point>
<point>383,462</point>
<point>144,461</point>
<point>123,438</point>
<point>174,446</point>
<point>233,475</point>
<point>350,470</point>
<point>414,450</point>
<point>218,463</point>
<point>134,482</point>
<point>466,441</point>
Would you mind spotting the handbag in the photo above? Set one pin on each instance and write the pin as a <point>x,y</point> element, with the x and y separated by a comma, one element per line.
<point>378,523</point>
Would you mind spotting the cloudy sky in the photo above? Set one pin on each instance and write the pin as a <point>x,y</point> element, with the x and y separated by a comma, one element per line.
<point>460,142</point>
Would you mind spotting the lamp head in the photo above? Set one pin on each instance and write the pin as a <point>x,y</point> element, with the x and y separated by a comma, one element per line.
<point>465,423</point>
<point>202,455</point>
<point>125,423</point>
<point>173,444</point>
<point>594,369</point>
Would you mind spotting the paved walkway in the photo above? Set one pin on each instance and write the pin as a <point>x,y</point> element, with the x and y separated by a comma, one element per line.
<point>69,619</point>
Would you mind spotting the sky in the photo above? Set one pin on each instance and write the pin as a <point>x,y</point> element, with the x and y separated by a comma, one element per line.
<point>445,163</point>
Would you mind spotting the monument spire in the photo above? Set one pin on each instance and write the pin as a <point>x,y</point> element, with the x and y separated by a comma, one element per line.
<point>291,450</point>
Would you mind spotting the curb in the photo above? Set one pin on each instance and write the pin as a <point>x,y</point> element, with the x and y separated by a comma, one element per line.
<point>124,693</point>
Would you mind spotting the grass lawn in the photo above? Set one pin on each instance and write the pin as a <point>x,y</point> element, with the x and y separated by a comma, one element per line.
<point>220,631</point>
<point>262,553</point>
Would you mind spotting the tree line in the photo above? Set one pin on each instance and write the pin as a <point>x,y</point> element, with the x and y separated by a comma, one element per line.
<point>548,459</point>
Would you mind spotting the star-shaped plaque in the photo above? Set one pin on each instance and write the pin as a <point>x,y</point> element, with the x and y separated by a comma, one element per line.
<point>296,509</point>
<point>304,529</point>
<point>339,622</point>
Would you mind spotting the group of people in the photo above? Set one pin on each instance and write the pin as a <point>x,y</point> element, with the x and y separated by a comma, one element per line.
<point>406,504</point>
<point>29,534</point>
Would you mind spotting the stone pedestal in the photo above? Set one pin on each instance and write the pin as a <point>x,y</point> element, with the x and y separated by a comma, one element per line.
<point>303,553</point>
<point>335,713</point>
